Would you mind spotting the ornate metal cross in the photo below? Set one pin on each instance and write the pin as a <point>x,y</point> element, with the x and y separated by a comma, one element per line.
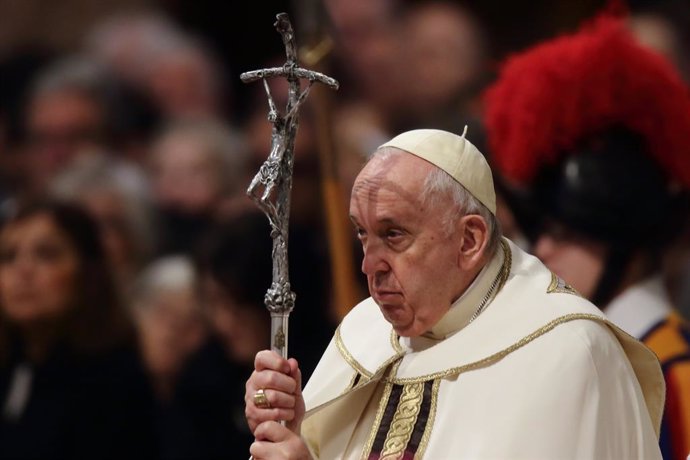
<point>270,188</point>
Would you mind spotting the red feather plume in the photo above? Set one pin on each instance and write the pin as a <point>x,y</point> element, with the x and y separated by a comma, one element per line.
<point>553,96</point>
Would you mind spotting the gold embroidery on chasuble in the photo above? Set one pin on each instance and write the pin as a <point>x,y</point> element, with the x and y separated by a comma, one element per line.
<point>560,286</point>
<point>348,357</point>
<point>404,419</point>
<point>403,422</point>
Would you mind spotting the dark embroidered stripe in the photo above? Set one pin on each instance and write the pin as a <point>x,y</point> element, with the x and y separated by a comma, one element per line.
<point>422,418</point>
<point>388,413</point>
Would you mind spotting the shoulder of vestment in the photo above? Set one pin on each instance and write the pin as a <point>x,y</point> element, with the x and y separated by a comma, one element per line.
<point>532,303</point>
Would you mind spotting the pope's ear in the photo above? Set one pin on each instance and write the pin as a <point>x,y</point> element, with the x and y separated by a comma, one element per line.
<point>474,237</point>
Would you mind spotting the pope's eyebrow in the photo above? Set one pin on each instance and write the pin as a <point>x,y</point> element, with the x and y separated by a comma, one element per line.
<point>389,221</point>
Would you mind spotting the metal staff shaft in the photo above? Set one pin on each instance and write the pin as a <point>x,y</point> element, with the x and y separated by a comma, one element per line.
<point>279,333</point>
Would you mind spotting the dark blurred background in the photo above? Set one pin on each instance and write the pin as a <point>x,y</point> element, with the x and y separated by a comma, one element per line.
<point>130,115</point>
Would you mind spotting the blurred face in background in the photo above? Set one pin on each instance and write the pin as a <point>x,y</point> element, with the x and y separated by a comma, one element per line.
<point>367,35</point>
<point>185,176</point>
<point>183,83</point>
<point>445,54</point>
<point>38,270</point>
<point>577,260</point>
<point>60,125</point>
<point>243,329</point>
<point>171,329</point>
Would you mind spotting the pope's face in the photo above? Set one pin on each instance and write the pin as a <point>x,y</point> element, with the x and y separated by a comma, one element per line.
<point>411,263</point>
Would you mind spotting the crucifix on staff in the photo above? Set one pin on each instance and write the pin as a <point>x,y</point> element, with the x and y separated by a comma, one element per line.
<point>271,186</point>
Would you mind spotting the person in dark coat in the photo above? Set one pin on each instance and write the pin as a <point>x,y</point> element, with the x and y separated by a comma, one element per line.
<point>71,382</point>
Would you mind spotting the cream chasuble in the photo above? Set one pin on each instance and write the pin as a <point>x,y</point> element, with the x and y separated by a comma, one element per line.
<point>539,374</point>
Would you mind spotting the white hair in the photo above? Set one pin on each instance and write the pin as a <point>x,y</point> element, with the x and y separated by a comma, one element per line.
<point>73,73</point>
<point>439,186</point>
<point>172,273</point>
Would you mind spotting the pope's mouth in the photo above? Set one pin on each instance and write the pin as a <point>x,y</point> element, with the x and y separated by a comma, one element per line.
<point>387,297</point>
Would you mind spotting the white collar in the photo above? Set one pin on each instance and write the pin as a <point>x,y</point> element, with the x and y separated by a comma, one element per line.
<point>637,309</point>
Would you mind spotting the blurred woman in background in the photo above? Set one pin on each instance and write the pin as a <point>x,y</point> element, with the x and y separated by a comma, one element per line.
<point>71,385</point>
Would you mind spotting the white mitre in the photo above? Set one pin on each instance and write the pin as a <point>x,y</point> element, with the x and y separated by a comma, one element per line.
<point>455,155</point>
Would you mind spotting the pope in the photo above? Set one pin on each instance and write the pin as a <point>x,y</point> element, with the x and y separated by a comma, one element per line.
<point>467,348</point>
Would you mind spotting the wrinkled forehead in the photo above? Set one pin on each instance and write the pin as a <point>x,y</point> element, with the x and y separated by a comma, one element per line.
<point>396,177</point>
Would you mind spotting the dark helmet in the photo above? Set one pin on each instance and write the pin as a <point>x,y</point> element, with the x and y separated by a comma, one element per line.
<point>611,191</point>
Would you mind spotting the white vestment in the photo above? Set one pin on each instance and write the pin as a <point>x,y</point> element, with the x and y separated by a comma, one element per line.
<point>539,374</point>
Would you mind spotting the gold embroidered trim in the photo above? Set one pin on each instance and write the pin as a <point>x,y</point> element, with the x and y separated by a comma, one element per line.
<point>351,384</point>
<point>395,342</point>
<point>497,283</point>
<point>363,381</point>
<point>348,357</point>
<point>501,354</point>
<point>560,286</point>
<point>404,418</point>
<point>387,363</point>
<point>507,265</point>
<point>366,375</point>
<point>429,422</point>
<point>383,402</point>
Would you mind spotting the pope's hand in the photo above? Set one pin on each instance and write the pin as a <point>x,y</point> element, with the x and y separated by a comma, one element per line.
<point>276,442</point>
<point>281,382</point>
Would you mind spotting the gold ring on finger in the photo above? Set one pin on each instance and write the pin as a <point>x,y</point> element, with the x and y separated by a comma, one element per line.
<point>260,399</point>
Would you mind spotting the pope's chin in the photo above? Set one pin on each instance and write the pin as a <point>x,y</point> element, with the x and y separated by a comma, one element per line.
<point>399,317</point>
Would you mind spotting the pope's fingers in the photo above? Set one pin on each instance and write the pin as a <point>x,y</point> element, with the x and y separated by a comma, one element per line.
<point>277,400</point>
<point>268,359</point>
<point>272,431</point>
<point>274,441</point>
<point>256,416</point>
<point>295,424</point>
<point>280,406</point>
<point>271,380</point>
<point>296,374</point>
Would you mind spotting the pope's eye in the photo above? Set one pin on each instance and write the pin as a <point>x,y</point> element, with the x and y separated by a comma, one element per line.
<point>394,235</point>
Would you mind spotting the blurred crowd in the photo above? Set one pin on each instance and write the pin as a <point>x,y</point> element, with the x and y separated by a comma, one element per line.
<point>132,265</point>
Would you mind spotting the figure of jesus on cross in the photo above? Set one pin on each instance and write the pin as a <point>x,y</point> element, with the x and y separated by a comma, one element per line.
<point>270,188</point>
